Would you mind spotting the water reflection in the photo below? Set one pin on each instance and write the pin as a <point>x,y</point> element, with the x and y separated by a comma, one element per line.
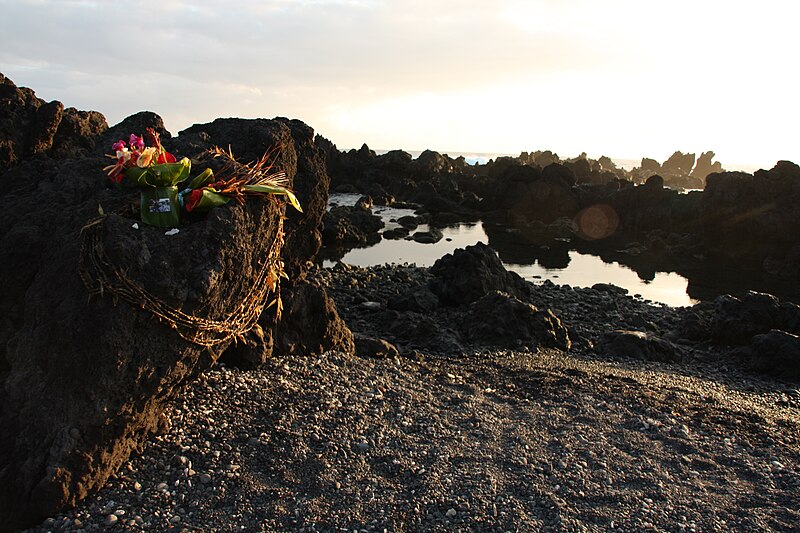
<point>554,261</point>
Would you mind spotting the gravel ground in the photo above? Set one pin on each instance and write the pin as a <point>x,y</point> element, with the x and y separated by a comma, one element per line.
<point>485,441</point>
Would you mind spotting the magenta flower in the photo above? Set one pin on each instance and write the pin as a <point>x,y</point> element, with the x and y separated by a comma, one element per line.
<point>136,142</point>
<point>118,146</point>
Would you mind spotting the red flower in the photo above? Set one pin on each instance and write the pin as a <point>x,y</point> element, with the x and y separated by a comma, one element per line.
<point>194,199</point>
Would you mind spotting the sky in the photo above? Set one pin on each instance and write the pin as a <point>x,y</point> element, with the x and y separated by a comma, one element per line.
<point>623,78</point>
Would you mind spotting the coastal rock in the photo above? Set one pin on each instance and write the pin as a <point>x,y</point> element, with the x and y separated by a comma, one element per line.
<point>471,273</point>
<point>419,301</point>
<point>679,162</point>
<point>705,166</point>
<point>310,322</point>
<point>526,194</point>
<point>736,321</point>
<point>31,127</point>
<point>501,320</point>
<point>350,227</point>
<point>302,159</point>
<point>138,123</point>
<point>371,347</point>
<point>776,353</point>
<point>637,345</point>
<point>84,379</point>
<point>423,332</point>
<point>429,163</point>
<point>433,235</point>
<point>745,217</point>
<point>251,351</point>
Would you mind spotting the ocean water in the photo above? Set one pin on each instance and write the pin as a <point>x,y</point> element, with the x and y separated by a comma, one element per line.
<point>582,270</point>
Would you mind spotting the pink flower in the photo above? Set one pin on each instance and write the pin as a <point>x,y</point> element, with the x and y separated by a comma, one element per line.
<point>118,146</point>
<point>136,142</point>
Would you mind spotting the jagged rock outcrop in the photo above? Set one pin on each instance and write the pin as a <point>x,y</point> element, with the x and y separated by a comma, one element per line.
<point>31,127</point>
<point>749,217</point>
<point>525,193</point>
<point>705,166</point>
<point>83,380</point>
<point>471,273</point>
<point>499,319</point>
<point>249,139</point>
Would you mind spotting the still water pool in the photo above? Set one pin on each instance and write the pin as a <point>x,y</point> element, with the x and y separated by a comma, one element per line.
<point>582,270</point>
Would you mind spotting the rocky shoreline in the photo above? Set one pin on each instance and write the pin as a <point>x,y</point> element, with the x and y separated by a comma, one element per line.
<point>486,440</point>
<point>455,397</point>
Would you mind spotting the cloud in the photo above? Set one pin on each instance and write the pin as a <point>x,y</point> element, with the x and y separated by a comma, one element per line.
<point>444,74</point>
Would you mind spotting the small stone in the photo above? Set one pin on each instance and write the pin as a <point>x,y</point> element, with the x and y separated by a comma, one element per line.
<point>137,486</point>
<point>205,479</point>
<point>451,513</point>
<point>173,231</point>
<point>111,520</point>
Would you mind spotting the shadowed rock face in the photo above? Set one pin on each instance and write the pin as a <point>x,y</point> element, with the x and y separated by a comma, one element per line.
<point>83,380</point>
<point>31,127</point>
<point>471,273</point>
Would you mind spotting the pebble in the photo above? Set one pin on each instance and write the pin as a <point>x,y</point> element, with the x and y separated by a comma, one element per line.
<point>111,519</point>
<point>451,513</point>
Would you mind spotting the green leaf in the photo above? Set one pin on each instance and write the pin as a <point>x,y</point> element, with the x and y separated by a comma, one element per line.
<point>139,176</point>
<point>210,200</point>
<point>204,178</point>
<point>276,189</point>
<point>170,174</point>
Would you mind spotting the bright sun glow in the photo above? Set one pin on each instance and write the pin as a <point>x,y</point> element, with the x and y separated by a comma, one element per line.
<point>621,78</point>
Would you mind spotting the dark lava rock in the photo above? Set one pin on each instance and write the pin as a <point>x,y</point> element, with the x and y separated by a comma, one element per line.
<point>735,321</point>
<point>364,203</point>
<point>31,127</point>
<point>310,323</point>
<point>249,139</point>
<point>350,226</point>
<point>609,288</point>
<point>432,236</point>
<point>371,347</point>
<point>419,301</point>
<point>395,234</point>
<point>637,345</point>
<point>498,319</point>
<point>471,273</point>
<point>83,380</point>
<point>776,353</point>
<point>138,124</point>
<point>526,194</point>
<point>251,351</point>
<point>424,332</point>
<point>746,217</point>
<point>409,222</point>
